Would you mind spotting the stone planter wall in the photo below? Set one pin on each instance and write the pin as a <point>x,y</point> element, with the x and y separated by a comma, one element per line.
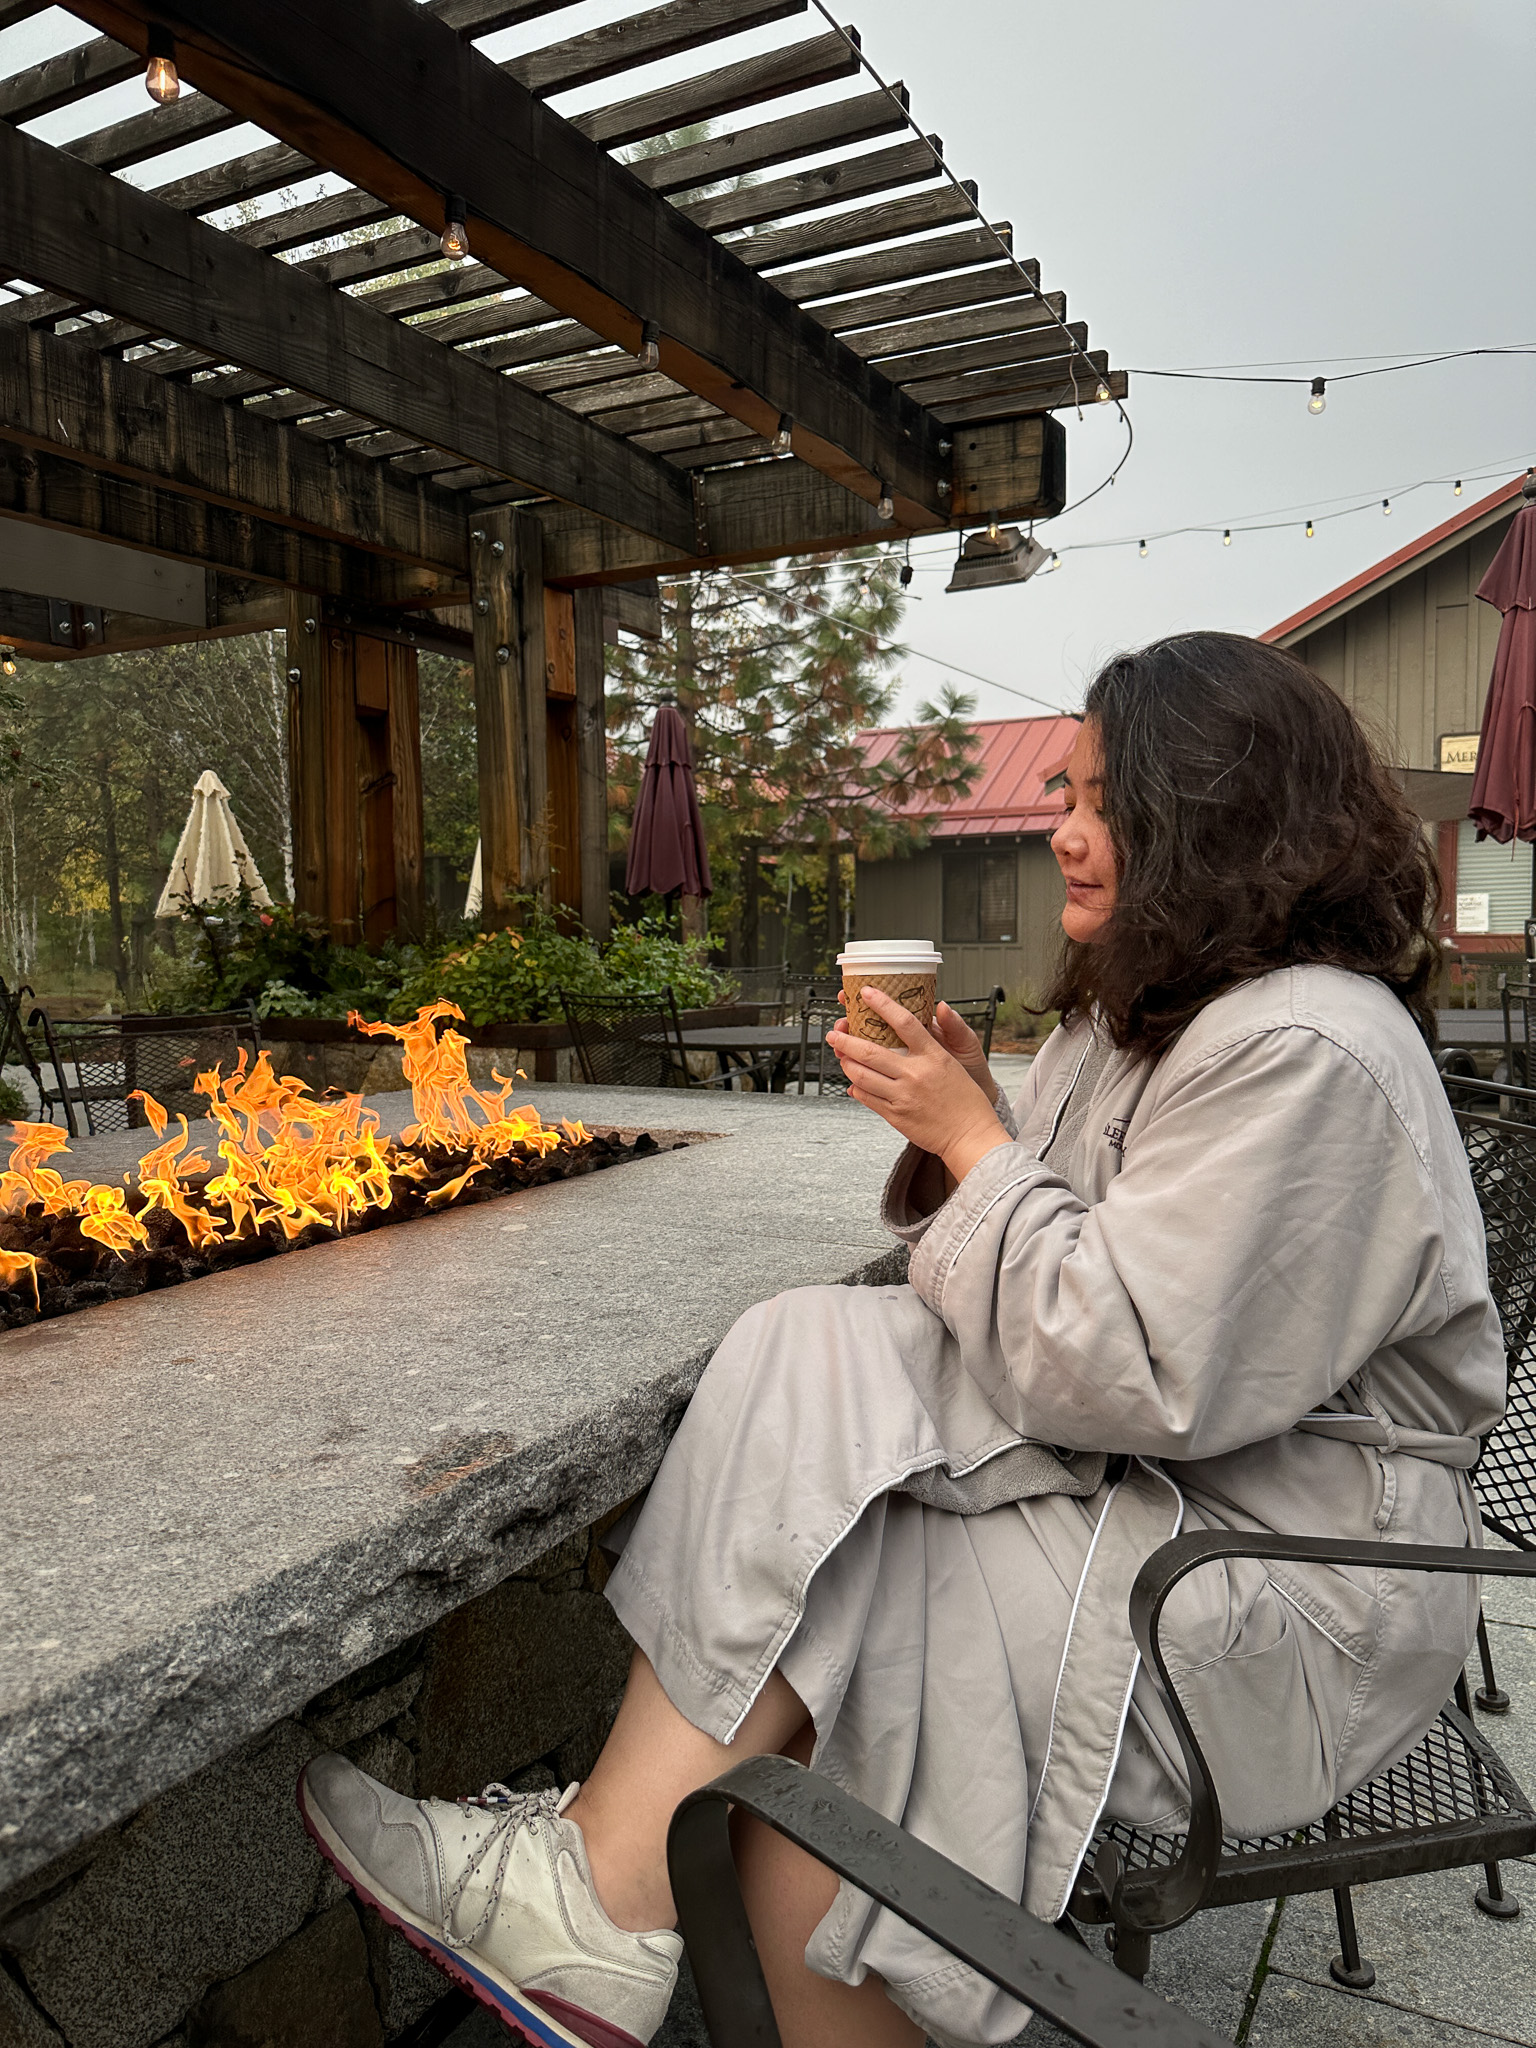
<point>208,1919</point>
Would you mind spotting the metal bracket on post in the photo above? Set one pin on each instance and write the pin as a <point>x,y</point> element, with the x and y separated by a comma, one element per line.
<point>75,625</point>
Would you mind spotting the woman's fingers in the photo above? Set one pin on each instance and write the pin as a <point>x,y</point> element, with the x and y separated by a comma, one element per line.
<point>864,1053</point>
<point>909,1029</point>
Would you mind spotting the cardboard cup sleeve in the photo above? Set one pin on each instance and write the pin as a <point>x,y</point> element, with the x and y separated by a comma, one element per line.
<point>915,992</point>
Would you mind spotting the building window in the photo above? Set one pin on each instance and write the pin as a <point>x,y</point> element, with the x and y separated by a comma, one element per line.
<point>981,897</point>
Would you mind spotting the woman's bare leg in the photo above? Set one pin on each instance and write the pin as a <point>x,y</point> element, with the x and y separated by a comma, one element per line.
<point>652,1760</point>
<point>786,1893</point>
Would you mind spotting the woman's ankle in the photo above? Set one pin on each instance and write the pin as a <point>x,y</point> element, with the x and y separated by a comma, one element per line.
<point>629,1877</point>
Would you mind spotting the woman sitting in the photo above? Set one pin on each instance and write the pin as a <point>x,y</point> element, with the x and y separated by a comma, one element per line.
<point>1220,1267</point>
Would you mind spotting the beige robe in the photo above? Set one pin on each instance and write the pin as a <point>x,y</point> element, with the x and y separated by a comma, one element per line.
<point>1259,1278</point>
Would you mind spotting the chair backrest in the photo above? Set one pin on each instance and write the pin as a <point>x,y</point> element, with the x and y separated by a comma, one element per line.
<point>823,1009</point>
<point>1501,1149</point>
<point>15,1046</point>
<point>627,1041</point>
<point>765,985</point>
<point>101,1065</point>
<point>980,1012</point>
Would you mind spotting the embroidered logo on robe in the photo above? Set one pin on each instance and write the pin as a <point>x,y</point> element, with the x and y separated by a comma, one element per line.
<point>1114,1130</point>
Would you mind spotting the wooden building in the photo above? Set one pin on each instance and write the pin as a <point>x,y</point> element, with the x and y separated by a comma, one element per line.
<point>1410,648</point>
<point>986,887</point>
<point>800,333</point>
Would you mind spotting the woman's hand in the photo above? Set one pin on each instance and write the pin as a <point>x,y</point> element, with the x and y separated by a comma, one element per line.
<point>923,1092</point>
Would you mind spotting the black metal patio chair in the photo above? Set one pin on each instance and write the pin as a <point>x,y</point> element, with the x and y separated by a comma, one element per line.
<point>821,1007</point>
<point>1518,1002</point>
<point>767,987</point>
<point>101,1064</point>
<point>16,1048</point>
<point>980,1012</point>
<point>633,1042</point>
<point>1051,1973</point>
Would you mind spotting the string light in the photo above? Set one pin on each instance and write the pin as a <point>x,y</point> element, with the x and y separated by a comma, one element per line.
<point>1103,393</point>
<point>1143,551</point>
<point>992,529</point>
<point>161,81</point>
<point>455,242</point>
<point>1053,563</point>
<point>885,504</point>
<point>1456,488</point>
<point>1317,402</point>
<point>1311,530</point>
<point>1226,536</point>
<point>1386,508</point>
<point>783,438</point>
<point>649,357</point>
<point>7,661</point>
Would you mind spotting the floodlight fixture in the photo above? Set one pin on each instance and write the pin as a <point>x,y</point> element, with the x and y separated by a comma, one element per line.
<point>985,561</point>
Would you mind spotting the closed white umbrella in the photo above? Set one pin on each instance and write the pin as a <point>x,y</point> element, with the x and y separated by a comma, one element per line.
<point>212,860</point>
<point>472,893</point>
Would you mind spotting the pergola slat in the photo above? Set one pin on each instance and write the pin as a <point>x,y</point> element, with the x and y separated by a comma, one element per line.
<point>882,307</point>
<point>1014,378</point>
<point>918,369</point>
<point>1033,402</point>
<point>251,176</point>
<point>65,222</point>
<point>831,233</point>
<point>894,266</point>
<point>141,136</point>
<point>747,84</point>
<point>971,323</point>
<point>665,31</point>
<point>854,177</point>
<point>72,75</point>
<point>484,17</point>
<point>745,150</point>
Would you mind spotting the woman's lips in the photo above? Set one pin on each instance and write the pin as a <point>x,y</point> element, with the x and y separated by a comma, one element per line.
<point>1084,892</point>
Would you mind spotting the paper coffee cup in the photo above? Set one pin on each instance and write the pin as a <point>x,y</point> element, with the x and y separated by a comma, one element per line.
<point>906,969</point>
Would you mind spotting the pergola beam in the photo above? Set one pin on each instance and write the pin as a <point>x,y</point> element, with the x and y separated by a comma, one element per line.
<point>118,416</point>
<point>64,225</point>
<point>381,93</point>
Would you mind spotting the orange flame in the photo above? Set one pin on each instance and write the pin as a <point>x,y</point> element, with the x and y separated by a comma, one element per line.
<point>287,1159</point>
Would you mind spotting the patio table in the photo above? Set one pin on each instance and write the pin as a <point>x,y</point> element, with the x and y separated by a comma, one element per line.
<point>753,1045</point>
<point>1477,1030</point>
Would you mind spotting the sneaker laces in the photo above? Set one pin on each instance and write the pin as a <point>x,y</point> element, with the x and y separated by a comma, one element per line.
<point>513,1810</point>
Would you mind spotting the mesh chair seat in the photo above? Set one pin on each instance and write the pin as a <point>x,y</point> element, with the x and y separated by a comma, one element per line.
<point>626,1041</point>
<point>1452,1785</point>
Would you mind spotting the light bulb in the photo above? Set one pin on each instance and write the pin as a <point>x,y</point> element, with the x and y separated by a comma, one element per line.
<point>1053,563</point>
<point>782,439</point>
<point>1143,550</point>
<point>1103,393</point>
<point>1317,402</point>
<point>160,79</point>
<point>885,504</point>
<point>1226,537</point>
<point>1456,492</point>
<point>649,357</point>
<point>1386,508</point>
<point>455,242</point>
<point>7,661</point>
<point>992,529</point>
<point>1310,529</point>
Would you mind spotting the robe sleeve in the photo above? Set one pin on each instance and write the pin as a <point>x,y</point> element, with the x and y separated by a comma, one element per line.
<point>915,1192</point>
<point>1272,1225</point>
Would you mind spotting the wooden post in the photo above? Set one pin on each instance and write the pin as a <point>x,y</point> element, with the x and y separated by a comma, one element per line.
<point>560,750</point>
<point>355,768</point>
<point>506,569</point>
<point>591,760</point>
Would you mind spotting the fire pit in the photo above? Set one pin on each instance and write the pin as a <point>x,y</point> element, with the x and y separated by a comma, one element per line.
<point>296,1171</point>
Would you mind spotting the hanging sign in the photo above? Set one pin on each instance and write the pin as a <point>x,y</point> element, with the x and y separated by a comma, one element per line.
<point>1458,753</point>
<point>1472,911</point>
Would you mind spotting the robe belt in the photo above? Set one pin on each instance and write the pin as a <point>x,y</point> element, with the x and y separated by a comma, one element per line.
<point>1461,1452</point>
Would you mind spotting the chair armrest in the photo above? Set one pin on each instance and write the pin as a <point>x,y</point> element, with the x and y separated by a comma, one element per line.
<point>1179,1891</point>
<point>1049,1972</point>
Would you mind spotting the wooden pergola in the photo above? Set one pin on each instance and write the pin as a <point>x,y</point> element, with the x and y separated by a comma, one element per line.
<point>797,334</point>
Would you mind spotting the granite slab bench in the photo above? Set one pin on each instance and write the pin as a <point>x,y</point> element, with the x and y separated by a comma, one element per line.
<point>218,1499</point>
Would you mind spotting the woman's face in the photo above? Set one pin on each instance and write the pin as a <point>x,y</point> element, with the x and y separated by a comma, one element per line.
<point>1081,843</point>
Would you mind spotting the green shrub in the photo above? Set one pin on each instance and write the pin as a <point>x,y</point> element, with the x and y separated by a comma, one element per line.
<point>13,1103</point>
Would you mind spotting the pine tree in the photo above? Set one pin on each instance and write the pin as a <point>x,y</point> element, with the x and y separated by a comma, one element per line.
<point>776,673</point>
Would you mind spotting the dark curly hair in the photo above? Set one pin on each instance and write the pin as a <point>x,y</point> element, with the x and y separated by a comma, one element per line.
<point>1255,828</point>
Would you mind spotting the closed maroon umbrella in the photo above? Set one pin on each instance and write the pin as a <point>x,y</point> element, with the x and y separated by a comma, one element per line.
<point>1503,802</point>
<point>666,846</point>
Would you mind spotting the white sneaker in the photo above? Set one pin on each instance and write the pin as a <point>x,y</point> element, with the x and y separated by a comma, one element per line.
<point>497,1891</point>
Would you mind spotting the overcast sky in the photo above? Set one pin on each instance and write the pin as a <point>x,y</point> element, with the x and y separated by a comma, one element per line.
<point>1210,184</point>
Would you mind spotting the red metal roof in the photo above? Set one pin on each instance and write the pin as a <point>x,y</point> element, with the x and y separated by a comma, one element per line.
<point>1018,757</point>
<point>1421,546</point>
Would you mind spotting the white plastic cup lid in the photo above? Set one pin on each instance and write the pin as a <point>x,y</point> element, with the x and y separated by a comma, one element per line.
<point>862,955</point>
